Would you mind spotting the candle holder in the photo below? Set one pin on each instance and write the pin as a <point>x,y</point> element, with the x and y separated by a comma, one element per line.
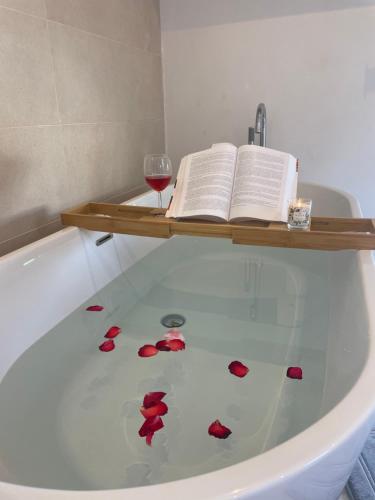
<point>299,214</point>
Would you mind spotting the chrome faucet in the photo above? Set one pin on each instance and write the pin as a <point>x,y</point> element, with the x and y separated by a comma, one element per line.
<point>261,123</point>
<point>260,126</point>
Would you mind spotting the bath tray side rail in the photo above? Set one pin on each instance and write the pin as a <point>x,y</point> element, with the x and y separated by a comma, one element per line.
<point>326,233</point>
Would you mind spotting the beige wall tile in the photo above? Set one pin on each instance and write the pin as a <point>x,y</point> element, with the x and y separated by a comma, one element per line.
<point>32,175</point>
<point>34,7</point>
<point>149,96</point>
<point>55,225</point>
<point>96,78</point>
<point>134,22</point>
<point>78,111</point>
<point>146,136</point>
<point>104,160</point>
<point>96,162</point>
<point>27,92</point>
<point>45,170</point>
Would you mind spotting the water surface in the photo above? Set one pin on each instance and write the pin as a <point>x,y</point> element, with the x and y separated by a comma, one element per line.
<point>70,416</point>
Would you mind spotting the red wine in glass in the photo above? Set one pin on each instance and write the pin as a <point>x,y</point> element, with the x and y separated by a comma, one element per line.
<point>158,173</point>
<point>158,182</point>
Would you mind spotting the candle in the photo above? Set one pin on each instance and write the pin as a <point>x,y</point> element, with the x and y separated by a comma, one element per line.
<point>299,214</point>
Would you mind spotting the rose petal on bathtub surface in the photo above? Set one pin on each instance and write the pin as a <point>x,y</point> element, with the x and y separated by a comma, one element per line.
<point>149,437</point>
<point>147,351</point>
<point>94,308</point>
<point>174,334</point>
<point>107,346</point>
<point>113,332</point>
<point>152,424</point>
<point>218,430</point>
<point>163,345</point>
<point>295,372</point>
<point>153,397</point>
<point>156,409</point>
<point>176,345</point>
<point>238,369</point>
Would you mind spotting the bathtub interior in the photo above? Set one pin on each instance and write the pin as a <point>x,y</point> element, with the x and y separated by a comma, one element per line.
<point>272,287</point>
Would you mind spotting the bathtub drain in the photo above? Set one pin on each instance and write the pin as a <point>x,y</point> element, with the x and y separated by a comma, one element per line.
<point>172,320</point>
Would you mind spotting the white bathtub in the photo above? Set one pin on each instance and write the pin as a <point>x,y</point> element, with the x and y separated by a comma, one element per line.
<point>313,465</point>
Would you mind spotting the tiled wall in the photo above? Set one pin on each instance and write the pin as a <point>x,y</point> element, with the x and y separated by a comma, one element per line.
<point>81,102</point>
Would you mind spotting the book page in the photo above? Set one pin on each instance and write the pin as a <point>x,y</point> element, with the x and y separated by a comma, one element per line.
<point>264,181</point>
<point>204,186</point>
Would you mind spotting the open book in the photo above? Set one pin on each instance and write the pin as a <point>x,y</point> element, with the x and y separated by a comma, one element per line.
<point>225,183</point>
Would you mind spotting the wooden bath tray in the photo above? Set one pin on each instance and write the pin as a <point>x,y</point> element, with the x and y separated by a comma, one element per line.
<point>326,233</point>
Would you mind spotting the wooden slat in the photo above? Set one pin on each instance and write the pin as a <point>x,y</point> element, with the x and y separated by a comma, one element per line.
<point>124,210</point>
<point>201,228</point>
<point>336,224</point>
<point>117,225</point>
<point>313,240</point>
<point>326,233</point>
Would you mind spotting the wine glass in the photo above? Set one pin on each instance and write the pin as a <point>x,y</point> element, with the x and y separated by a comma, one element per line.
<point>158,173</point>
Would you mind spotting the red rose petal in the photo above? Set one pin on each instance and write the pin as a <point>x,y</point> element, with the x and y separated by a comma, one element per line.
<point>107,346</point>
<point>152,397</point>
<point>174,334</point>
<point>152,424</point>
<point>176,345</point>
<point>218,430</point>
<point>295,372</point>
<point>157,409</point>
<point>94,308</point>
<point>149,437</point>
<point>113,332</point>
<point>238,369</point>
<point>163,345</point>
<point>147,351</point>
<point>170,345</point>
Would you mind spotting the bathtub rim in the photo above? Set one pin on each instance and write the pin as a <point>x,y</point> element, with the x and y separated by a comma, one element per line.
<point>263,471</point>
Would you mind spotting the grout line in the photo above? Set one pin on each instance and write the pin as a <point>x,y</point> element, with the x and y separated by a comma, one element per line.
<point>104,37</point>
<point>54,72</point>
<point>164,93</point>
<point>53,221</point>
<point>46,18</point>
<point>45,8</point>
<point>11,9</point>
<point>41,125</point>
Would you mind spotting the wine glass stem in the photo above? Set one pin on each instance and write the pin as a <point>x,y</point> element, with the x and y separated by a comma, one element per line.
<point>160,202</point>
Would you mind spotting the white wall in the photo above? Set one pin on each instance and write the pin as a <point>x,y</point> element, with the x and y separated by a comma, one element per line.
<point>311,61</point>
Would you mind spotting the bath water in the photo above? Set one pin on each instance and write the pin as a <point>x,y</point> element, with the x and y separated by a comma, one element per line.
<point>70,415</point>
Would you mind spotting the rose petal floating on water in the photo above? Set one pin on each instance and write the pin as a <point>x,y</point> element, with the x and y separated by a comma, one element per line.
<point>107,346</point>
<point>238,369</point>
<point>113,332</point>
<point>176,345</point>
<point>218,430</point>
<point>156,409</point>
<point>147,351</point>
<point>170,345</point>
<point>149,437</point>
<point>94,308</point>
<point>295,372</point>
<point>153,397</point>
<point>152,424</point>
<point>163,345</point>
<point>174,334</point>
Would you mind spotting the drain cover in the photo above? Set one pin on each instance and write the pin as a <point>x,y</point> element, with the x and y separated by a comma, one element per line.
<point>172,320</point>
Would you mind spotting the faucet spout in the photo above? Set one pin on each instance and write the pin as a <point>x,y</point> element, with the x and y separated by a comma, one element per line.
<point>261,124</point>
